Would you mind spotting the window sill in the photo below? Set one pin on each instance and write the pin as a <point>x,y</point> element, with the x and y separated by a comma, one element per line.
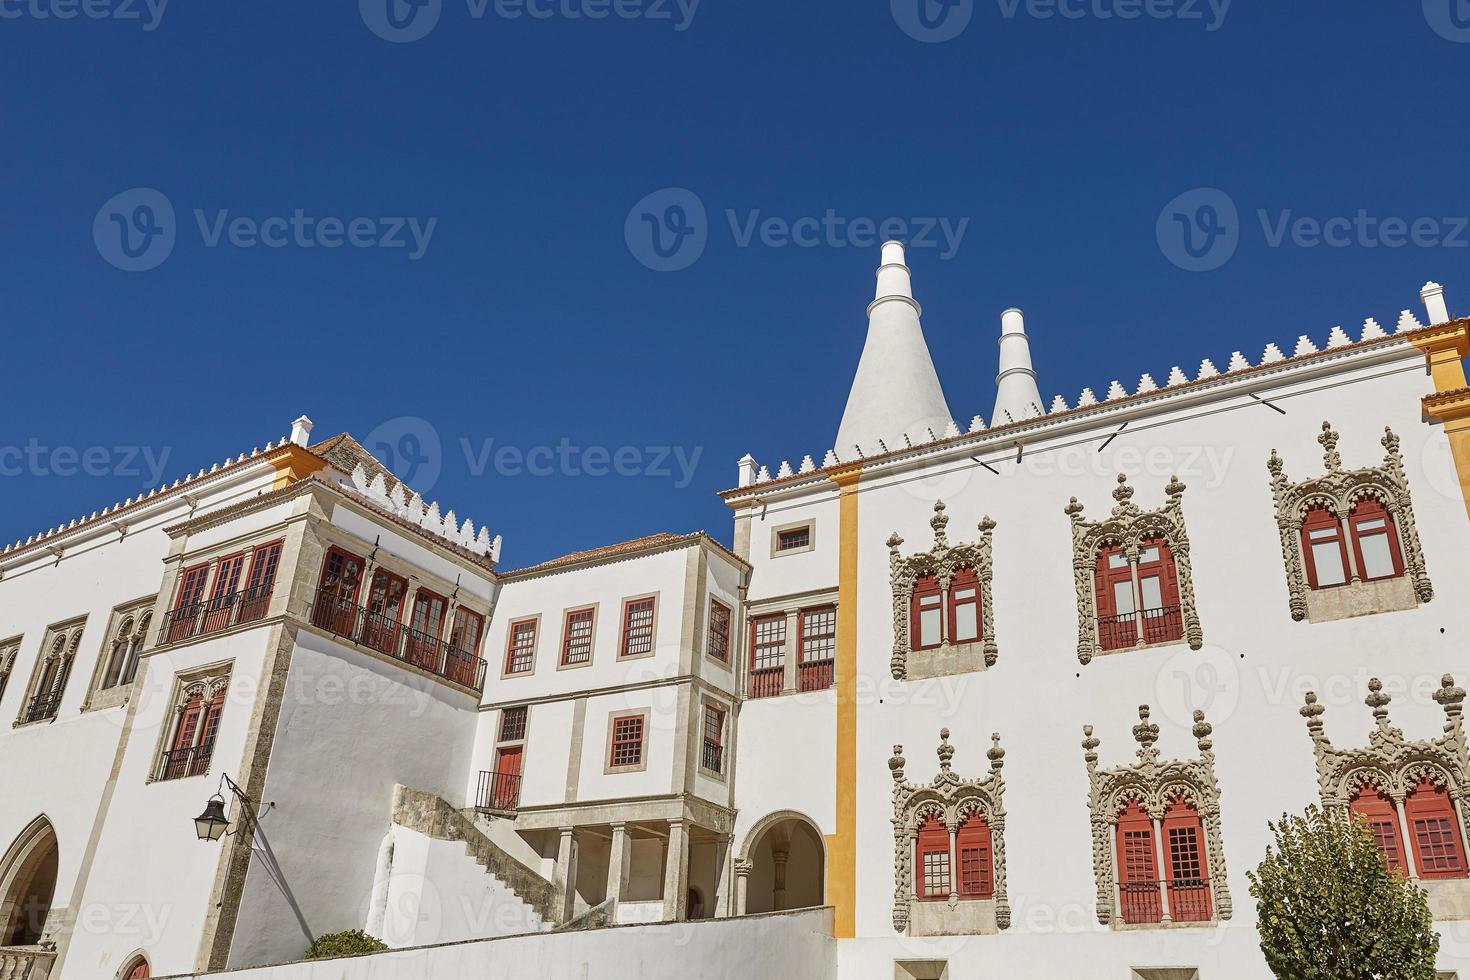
<point>718,777</point>
<point>1119,925</point>
<point>110,697</point>
<point>947,659</point>
<point>1161,645</point>
<point>962,917</point>
<point>22,723</point>
<point>1360,599</point>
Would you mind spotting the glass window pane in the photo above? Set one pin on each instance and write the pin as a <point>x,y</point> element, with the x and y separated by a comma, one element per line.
<point>966,623</point>
<point>1148,554</point>
<point>1328,558</point>
<point>1153,592</point>
<point>1117,560</point>
<point>1377,559</point>
<point>1123,597</point>
<point>929,626</point>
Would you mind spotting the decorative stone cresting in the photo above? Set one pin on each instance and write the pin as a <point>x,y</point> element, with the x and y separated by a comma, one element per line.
<point>952,798</point>
<point>1389,762</point>
<point>1127,525</point>
<point>1154,784</point>
<point>942,561</point>
<point>1340,490</point>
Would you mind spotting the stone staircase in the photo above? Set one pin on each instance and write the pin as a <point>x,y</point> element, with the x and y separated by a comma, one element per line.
<point>434,817</point>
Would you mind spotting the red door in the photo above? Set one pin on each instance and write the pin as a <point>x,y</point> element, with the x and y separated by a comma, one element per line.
<point>1117,624</point>
<point>139,972</point>
<point>1138,880</point>
<point>505,793</point>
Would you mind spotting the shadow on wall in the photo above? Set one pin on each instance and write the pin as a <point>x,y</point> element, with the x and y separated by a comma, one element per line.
<point>787,868</point>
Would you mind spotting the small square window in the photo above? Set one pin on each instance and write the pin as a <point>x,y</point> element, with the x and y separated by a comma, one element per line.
<point>637,627</point>
<point>718,644</point>
<point>520,653</point>
<point>793,539</point>
<point>513,724</point>
<point>625,740</point>
<point>576,643</point>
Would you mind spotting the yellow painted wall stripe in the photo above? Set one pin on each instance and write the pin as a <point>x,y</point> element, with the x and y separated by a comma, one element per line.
<point>842,846</point>
<point>1444,350</point>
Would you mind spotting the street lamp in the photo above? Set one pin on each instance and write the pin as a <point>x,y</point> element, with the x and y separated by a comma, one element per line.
<point>212,824</point>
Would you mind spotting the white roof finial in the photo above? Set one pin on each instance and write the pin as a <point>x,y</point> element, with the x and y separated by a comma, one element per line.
<point>1434,303</point>
<point>301,431</point>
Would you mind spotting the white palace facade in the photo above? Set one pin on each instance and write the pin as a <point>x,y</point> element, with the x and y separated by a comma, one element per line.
<point>958,699</point>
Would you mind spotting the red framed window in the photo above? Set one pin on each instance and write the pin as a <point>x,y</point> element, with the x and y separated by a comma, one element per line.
<point>1117,605</point>
<point>1158,582</point>
<point>931,860</point>
<point>1435,833</point>
<point>718,644</point>
<point>713,756</point>
<point>139,971</point>
<point>1189,873</point>
<point>465,631</point>
<point>1375,540</point>
<point>926,612</point>
<point>264,562</point>
<point>964,606</point>
<point>192,746</point>
<point>520,652</point>
<point>637,628</point>
<point>1323,549</point>
<point>796,537</point>
<point>576,637</point>
<point>513,724</point>
<point>425,626</point>
<point>972,841</point>
<point>816,648</point>
<point>767,656</point>
<point>627,742</point>
<point>1382,817</point>
<point>341,573</point>
<point>1138,880</point>
<point>189,604</point>
<point>381,629</point>
<point>224,595</point>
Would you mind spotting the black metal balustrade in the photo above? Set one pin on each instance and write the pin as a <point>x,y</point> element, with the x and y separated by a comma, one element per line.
<point>383,634</point>
<point>44,706</point>
<point>1189,899</point>
<point>713,757</point>
<point>1141,902</point>
<point>213,615</point>
<point>498,791</point>
<point>191,761</point>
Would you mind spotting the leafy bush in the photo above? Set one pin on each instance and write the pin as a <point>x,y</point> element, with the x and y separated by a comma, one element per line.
<point>353,942</point>
<point>1330,909</point>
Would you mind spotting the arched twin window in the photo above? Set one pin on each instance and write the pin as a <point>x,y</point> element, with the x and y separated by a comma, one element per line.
<point>1364,547</point>
<point>1137,602</point>
<point>961,865</point>
<point>1436,845</point>
<point>127,645</point>
<point>1182,892</point>
<point>938,616</point>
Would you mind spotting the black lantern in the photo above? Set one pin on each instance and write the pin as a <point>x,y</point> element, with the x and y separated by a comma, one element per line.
<point>212,823</point>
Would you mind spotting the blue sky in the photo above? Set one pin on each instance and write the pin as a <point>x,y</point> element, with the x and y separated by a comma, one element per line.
<point>520,148</point>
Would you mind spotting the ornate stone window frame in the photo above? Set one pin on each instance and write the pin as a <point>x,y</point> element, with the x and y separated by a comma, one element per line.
<point>61,643</point>
<point>9,653</point>
<point>1394,765</point>
<point>1341,490</point>
<point>127,634</point>
<point>942,562</point>
<point>1154,784</point>
<point>952,798</point>
<point>205,682</point>
<point>1127,525</point>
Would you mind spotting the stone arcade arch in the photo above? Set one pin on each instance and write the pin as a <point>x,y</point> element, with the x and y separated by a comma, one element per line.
<point>28,884</point>
<point>782,866</point>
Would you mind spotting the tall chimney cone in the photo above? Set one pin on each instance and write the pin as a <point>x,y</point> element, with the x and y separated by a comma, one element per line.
<point>896,392</point>
<point>1016,394</point>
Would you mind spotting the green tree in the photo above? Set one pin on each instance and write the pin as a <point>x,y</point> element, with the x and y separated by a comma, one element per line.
<point>1329,908</point>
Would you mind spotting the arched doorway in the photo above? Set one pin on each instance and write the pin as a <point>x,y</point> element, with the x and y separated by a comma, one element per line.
<point>27,885</point>
<point>786,861</point>
<point>137,969</point>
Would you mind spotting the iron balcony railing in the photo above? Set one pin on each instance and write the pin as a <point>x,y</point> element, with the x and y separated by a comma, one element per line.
<point>44,706</point>
<point>1162,625</point>
<point>814,675</point>
<point>212,615</point>
<point>498,791</point>
<point>713,757</point>
<point>191,761</point>
<point>390,638</point>
<point>1189,900</point>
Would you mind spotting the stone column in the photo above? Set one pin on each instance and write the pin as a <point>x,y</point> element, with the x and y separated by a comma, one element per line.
<point>619,862</point>
<point>1117,875</point>
<point>779,857</point>
<point>954,865</point>
<point>1163,875</point>
<point>1406,841</point>
<point>1137,599</point>
<point>722,897</point>
<point>1354,573</point>
<point>742,885</point>
<point>676,871</point>
<point>565,877</point>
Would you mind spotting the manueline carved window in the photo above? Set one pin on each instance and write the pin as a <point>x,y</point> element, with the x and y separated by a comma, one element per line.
<point>949,848</point>
<point>1132,572</point>
<point>1410,794</point>
<point>943,620</point>
<point>1348,537</point>
<point>1157,854</point>
<point>48,683</point>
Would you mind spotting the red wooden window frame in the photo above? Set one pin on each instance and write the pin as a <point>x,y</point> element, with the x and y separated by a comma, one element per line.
<point>816,648</point>
<point>1164,622</point>
<point>520,646</point>
<point>1115,632</point>
<point>928,596</point>
<point>434,606</point>
<point>576,636</point>
<point>265,561</point>
<point>964,578</point>
<point>793,538</point>
<point>933,866</point>
<point>139,971</point>
<point>1187,863</point>
<point>637,638</point>
<point>1138,879</point>
<point>973,842</point>
<point>341,575</point>
<point>222,598</point>
<point>1367,510</point>
<point>1439,851</point>
<point>1382,817</point>
<point>382,626</point>
<point>465,631</point>
<point>1321,518</point>
<point>513,723</point>
<point>713,739</point>
<point>767,656</point>
<point>191,586</point>
<point>718,644</point>
<point>626,748</point>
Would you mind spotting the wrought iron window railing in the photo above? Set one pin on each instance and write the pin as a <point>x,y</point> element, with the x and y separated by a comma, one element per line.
<point>212,615</point>
<point>190,761</point>
<point>498,791</point>
<point>403,643</point>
